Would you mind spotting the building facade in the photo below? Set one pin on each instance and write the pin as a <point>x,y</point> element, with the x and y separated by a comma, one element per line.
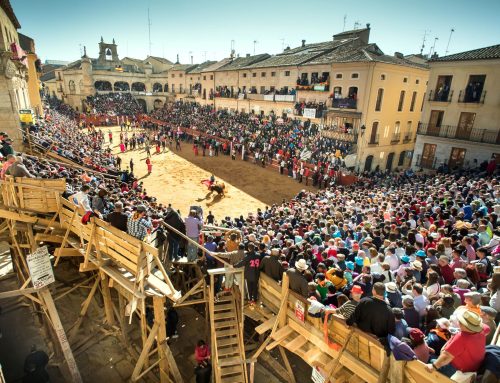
<point>460,123</point>
<point>13,75</point>
<point>34,73</point>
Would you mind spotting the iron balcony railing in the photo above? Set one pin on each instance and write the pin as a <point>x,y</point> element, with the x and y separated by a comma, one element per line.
<point>487,136</point>
<point>396,137</point>
<point>443,96</point>
<point>471,96</point>
<point>407,137</point>
<point>345,103</point>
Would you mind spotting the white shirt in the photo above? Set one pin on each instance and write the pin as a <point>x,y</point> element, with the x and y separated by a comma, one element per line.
<point>82,199</point>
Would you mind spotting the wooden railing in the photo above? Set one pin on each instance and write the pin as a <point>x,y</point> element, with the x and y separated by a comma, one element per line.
<point>335,348</point>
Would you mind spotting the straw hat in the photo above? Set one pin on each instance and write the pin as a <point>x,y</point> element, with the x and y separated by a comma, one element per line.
<point>470,320</point>
<point>417,265</point>
<point>301,265</point>
<point>391,287</point>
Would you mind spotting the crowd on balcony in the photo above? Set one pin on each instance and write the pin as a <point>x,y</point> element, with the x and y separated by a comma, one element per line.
<point>319,108</point>
<point>421,251</point>
<point>113,104</point>
<point>304,83</point>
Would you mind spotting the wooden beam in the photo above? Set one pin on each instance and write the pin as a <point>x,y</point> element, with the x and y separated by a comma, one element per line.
<point>287,364</point>
<point>145,351</point>
<point>159,314</point>
<point>108,303</point>
<point>61,334</point>
<point>16,293</point>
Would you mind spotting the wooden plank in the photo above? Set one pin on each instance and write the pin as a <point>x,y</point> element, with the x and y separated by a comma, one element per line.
<point>279,337</point>
<point>61,335</point>
<point>145,351</point>
<point>266,326</point>
<point>287,364</point>
<point>297,343</point>
<point>159,314</point>
<point>106,296</point>
<point>16,293</point>
<point>418,371</point>
<point>361,369</point>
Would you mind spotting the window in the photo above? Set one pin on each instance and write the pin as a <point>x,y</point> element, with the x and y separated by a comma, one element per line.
<point>397,127</point>
<point>180,75</point>
<point>244,75</point>
<point>474,89</point>
<point>273,74</point>
<point>435,121</point>
<point>402,156</point>
<point>417,81</point>
<point>382,77</point>
<point>353,92</point>
<point>191,79</point>
<point>287,73</point>
<point>428,154</point>
<point>337,92</point>
<point>272,89</point>
<point>173,88</point>
<point>442,89</point>
<point>263,74</point>
<point>338,75</point>
<point>423,100</point>
<point>262,89</point>
<point>457,157</point>
<point>173,75</point>
<point>355,75</point>
<point>401,100</point>
<point>380,97</point>
<point>405,79</point>
<point>465,124</point>
<point>374,135</point>
<point>413,99</point>
<point>254,74</point>
<point>204,77</point>
<point>211,77</point>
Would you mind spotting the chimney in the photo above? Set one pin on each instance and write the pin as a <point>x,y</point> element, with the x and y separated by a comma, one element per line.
<point>177,62</point>
<point>287,48</point>
<point>248,55</point>
<point>368,25</point>
<point>399,55</point>
<point>303,43</point>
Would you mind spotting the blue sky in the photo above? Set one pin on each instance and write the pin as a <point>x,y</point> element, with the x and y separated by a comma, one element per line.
<point>205,28</point>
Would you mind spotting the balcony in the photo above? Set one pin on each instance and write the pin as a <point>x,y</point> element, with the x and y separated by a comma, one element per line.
<point>340,134</point>
<point>440,96</point>
<point>374,140</point>
<point>471,97</point>
<point>396,137</point>
<point>486,136</point>
<point>407,138</point>
<point>344,103</point>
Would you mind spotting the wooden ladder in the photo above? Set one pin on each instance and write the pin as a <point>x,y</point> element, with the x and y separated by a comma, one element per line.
<point>228,351</point>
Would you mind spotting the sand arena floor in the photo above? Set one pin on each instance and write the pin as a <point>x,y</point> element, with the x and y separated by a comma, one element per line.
<point>176,179</point>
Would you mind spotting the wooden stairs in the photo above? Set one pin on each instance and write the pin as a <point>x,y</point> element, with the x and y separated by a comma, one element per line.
<point>228,351</point>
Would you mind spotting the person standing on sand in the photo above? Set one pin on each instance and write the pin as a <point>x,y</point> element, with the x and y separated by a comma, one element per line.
<point>131,165</point>
<point>149,165</point>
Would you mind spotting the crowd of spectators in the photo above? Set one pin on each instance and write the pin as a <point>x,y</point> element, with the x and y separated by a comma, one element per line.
<point>421,251</point>
<point>113,104</point>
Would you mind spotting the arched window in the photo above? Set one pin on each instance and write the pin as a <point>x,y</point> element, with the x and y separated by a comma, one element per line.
<point>157,87</point>
<point>368,163</point>
<point>72,87</point>
<point>138,87</point>
<point>380,97</point>
<point>353,92</point>
<point>401,160</point>
<point>121,86</point>
<point>102,86</point>
<point>158,104</point>
<point>165,88</point>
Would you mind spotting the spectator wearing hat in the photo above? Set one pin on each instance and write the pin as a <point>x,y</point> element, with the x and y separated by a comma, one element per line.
<point>405,264</point>
<point>439,335</point>
<point>488,315</point>
<point>465,350</point>
<point>271,265</point>
<point>138,224</point>
<point>393,295</point>
<point>297,280</point>
<point>373,314</point>
<point>418,344</point>
<point>193,227</point>
<point>347,309</point>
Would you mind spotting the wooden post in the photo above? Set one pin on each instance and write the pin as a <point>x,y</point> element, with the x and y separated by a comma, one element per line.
<point>159,311</point>
<point>287,364</point>
<point>106,296</point>
<point>121,319</point>
<point>44,293</point>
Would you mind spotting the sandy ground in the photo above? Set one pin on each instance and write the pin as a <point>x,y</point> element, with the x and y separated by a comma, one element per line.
<point>176,179</point>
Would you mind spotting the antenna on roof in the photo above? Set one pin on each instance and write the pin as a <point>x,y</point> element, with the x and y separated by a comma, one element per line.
<point>80,45</point>
<point>191,55</point>
<point>232,49</point>
<point>345,19</point>
<point>254,43</point>
<point>149,32</point>
<point>449,39</point>
<point>282,44</point>
<point>423,41</point>
<point>433,48</point>
<point>356,25</point>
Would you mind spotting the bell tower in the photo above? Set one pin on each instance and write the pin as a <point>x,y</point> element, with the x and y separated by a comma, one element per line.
<point>108,53</point>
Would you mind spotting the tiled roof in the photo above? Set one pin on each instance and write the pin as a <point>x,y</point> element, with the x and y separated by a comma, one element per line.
<point>183,67</point>
<point>202,66</point>
<point>241,62</point>
<point>160,59</point>
<point>48,76</point>
<point>217,65</point>
<point>487,53</point>
<point>132,59</point>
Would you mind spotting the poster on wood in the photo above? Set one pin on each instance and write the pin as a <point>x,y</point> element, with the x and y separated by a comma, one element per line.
<point>299,311</point>
<point>317,376</point>
<point>40,268</point>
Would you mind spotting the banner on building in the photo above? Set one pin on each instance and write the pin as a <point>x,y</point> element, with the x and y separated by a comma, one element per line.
<point>309,113</point>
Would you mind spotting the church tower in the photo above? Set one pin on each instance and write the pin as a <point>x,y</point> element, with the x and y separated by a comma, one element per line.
<point>108,54</point>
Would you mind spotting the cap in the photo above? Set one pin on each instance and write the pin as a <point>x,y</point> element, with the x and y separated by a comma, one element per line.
<point>141,208</point>
<point>416,335</point>
<point>490,311</point>
<point>356,289</point>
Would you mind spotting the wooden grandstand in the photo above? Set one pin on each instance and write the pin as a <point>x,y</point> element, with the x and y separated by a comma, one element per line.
<point>33,213</point>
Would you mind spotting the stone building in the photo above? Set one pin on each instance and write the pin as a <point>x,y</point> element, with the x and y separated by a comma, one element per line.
<point>13,75</point>
<point>34,72</point>
<point>147,79</point>
<point>461,115</point>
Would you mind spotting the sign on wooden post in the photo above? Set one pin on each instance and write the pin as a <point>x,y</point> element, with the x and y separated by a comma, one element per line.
<point>40,268</point>
<point>317,376</point>
<point>299,311</point>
